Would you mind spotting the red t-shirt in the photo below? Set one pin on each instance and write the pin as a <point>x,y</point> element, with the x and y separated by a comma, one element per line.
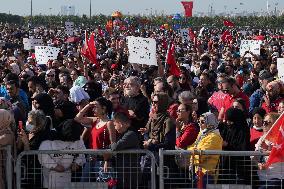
<point>188,136</point>
<point>229,99</point>
<point>254,137</point>
<point>273,107</point>
<point>99,137</point>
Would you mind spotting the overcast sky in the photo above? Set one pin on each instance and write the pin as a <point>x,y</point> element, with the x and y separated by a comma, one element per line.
<point>22,7</point>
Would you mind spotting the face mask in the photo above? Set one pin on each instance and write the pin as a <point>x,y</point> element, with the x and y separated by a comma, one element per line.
<point>29,127</point>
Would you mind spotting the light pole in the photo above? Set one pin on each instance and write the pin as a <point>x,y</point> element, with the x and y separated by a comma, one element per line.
<point>90,9</point>
<point>31,11</point>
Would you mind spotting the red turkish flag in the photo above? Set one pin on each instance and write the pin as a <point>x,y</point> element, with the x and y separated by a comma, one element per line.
<point>228,23</point>
<point>174,69</point>
<point>226,36</point>
<point>276,136</point>
<point>188,6</point>
<point>89,49</point>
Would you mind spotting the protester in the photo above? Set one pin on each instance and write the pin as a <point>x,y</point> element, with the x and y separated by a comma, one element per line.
<point>208,138</point>
<point>99,134</point>
<point>57,167</point>
<point>127,165</point>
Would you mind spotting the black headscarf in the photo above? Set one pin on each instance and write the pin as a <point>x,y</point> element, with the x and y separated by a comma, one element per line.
<point>45,104</point>
<point>236,135</point>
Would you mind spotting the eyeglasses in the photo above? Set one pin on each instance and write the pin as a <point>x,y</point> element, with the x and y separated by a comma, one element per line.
<point>201,121</point>
<point>225,90</point>
<point>180,111</point>
<point>50,75</point>
<point>266,123</point>
<point>154,102</point>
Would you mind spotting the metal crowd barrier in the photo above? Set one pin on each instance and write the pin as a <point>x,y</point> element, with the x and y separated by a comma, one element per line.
<point>234,169</point>
<point>125,170</point>
<point>7,164</point>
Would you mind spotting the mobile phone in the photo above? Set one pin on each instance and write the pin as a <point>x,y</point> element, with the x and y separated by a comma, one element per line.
<point>20,125</point>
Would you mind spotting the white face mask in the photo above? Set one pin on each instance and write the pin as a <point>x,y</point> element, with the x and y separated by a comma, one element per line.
<point>29,127</point>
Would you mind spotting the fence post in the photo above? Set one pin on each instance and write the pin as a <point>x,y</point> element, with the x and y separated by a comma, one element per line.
<point>18,170</point>
<point>9,174</point>
<point>161,169</point>
<point>153,171</point>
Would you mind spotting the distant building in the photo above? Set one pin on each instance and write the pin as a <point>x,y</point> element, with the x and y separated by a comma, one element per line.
<point>67,10</point>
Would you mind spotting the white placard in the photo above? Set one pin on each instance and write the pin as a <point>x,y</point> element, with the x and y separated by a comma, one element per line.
<point>184,34</point>
<point>142,50</point>
<point>69,28</point>
<point>31,43</point>
<point>45,53</point>
<point>250,45</point>
<point>280,68</point>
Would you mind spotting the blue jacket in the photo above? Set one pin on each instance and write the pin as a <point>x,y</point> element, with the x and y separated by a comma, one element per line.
<point>22,94</point>
<point>255,99</point>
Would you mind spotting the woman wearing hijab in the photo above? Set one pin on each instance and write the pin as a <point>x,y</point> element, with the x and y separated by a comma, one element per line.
<point>236,137</point>
<point>44,103</point>
<point>57,167</point>
<point>7,137</point>
<point>160,131</point>
<point>209,138</point>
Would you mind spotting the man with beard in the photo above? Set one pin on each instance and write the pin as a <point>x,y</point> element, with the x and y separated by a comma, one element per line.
<point>272,98</point>
<point>136,104</point>
<point>64,109</point>
<point>173,82</point>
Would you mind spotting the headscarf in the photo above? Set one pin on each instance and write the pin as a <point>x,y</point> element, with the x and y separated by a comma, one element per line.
<point>210,120</point>
<point>80,81</point>
<point>163,102</point>
<point>69,130</point>
<point>5,104</point>
<point>45,103</point>
<point>6,119</point>
<point>77,94</point>
<point>236,116</point>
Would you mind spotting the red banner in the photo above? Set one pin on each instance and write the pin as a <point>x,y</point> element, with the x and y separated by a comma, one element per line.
<point>188,6</point>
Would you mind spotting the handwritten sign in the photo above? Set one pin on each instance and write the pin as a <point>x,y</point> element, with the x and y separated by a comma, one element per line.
<point>250,45</point>
<point>142,50</point>
<point>184,34</point>
<point>31,43</point>
<point>45,53</point>
<point>280,68</point>
<point>69,28</point>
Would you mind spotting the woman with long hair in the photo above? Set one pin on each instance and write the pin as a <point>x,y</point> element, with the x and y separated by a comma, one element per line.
<point>99,136</point>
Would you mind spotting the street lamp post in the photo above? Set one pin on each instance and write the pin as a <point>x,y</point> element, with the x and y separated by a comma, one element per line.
<point>31,11</point>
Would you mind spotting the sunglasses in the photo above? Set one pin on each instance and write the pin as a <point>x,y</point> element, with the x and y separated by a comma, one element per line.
<point>201,121</point>
<point>50,75</point>
<point>154,102</point>
<point>225,90</point>
<point>266,123</point>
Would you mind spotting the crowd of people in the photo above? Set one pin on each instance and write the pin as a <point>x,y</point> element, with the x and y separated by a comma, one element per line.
<point>219,101</point>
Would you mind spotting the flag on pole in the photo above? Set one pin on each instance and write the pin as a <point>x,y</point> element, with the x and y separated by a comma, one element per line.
<point>173,68</point>
<point>89,49</point>
<point>228,23</point>
<point>226,36</point>
<point>188,6</point>
<point>276,136</point>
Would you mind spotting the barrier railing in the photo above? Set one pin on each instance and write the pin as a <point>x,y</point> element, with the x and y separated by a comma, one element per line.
<point>36,169</point>
<point>211,169</point>
<point>7,164</point>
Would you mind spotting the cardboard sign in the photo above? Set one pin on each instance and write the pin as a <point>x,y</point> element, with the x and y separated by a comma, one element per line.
<point>250,45</point>
<point>69,28</point>
<point>45,53</point>
<point>31,43</point>
<point>280,68</point>
<point>142,50</point>
<point>185,34</point>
